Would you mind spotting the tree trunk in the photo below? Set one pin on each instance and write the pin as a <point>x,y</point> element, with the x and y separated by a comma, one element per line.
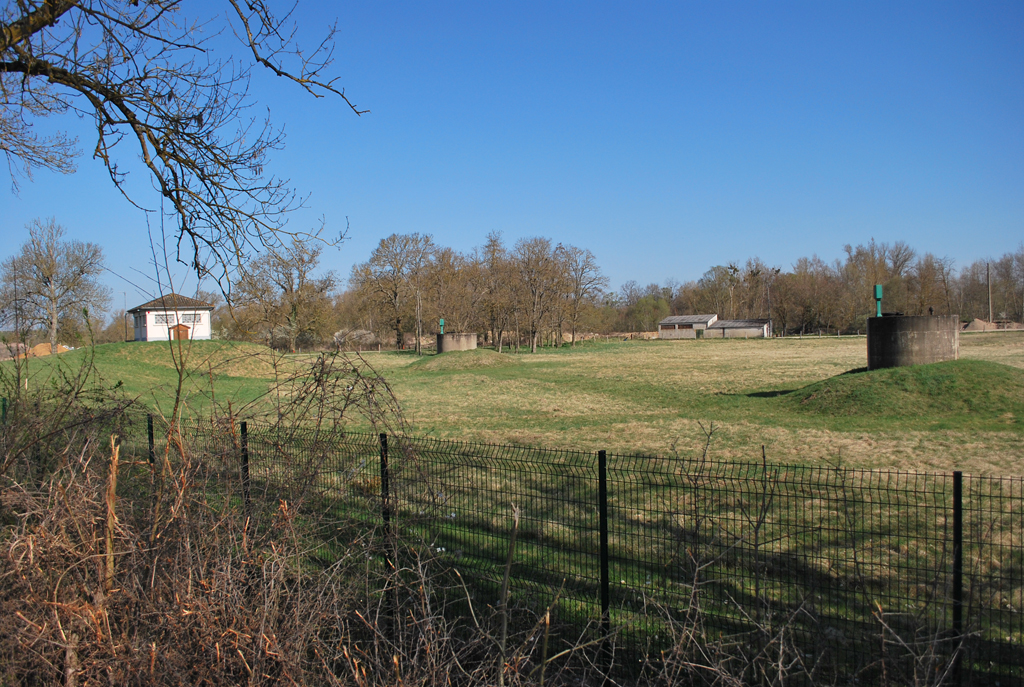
<point>419,323</point>
<point>53,329</point>
<point>293,329</point>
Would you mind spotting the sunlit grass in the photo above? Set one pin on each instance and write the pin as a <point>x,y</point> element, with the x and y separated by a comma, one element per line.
<point>649,396</point>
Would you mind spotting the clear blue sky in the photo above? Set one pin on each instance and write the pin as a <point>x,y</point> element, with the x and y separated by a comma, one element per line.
<point>664,137</point>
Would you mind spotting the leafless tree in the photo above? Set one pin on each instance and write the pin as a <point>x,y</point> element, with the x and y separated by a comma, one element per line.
<point>584,279</point>
<point>160,88</point>
<point>498,287</point>
<point>714,290</point>
<point>453,289</point>
<point>539,275</point>
<point>391,277</point>
<point>283,291</point>
<point>629,293</point>
<point>421,252</point>
<point>51,280</point>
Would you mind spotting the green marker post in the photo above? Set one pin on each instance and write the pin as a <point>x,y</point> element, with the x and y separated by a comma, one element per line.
<point>878,300</point>
<point>442,325</point>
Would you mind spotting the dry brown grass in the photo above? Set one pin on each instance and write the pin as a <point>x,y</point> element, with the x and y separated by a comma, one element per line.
<point>649,396</point>
<point>625,397</point>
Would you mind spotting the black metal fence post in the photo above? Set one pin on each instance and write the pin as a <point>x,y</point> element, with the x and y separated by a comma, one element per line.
<point>385,486</point>
<point>391,613</point>
<point>602,513</point>
<point>152,443</point>
<point>958,572</point>
<point>245,465</point>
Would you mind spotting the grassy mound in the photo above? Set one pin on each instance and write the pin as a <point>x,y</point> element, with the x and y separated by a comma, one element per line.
<point>225,358</point>
<point>238,371</point>
<point>465,360</point>
<point>956,388</point>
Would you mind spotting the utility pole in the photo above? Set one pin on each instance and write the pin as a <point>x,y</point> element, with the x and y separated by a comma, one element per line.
<point>988,279</point>
<point>773,272</point>
<point>125,315</point>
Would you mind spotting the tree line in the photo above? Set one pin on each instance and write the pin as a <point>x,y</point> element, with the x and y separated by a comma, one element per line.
<point>517,295</point>
<point>536,291</point>
<point>177,110</point>
<point>838,296</point>
<point>527,294</point>
<point>512,294</point>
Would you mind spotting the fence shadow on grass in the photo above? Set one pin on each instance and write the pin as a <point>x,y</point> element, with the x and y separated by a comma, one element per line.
<point>854,567</point>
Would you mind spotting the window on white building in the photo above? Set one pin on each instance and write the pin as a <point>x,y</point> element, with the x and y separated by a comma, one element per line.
<point>195,318</point>
<point>164,319</point>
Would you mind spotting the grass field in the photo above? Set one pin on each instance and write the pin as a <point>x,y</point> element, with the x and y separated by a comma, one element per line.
<point>791,395</point>
<point>806,400</point>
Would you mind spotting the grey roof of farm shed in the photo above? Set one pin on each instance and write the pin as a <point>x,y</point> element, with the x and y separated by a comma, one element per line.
<point>172,301</point>
<point>688,319</point>
<point>739,324</point>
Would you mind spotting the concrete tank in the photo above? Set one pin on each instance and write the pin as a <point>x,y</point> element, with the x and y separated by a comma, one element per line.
<point>901,340</point>
<point>456,342</point>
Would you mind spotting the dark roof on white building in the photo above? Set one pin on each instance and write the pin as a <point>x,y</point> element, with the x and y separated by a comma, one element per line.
<point>688,319</point>
<point>172,301</point>
<point>739,324</point>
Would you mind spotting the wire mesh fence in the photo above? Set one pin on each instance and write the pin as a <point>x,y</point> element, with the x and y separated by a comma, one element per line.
<point>869,576</point>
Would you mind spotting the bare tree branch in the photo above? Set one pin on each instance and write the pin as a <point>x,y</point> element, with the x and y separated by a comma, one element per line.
<point>151,79</point>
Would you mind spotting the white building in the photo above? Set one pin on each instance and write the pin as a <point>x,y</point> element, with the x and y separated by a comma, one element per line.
<point>172,317</point>
<point>685,326</point>
<point>739,329</point>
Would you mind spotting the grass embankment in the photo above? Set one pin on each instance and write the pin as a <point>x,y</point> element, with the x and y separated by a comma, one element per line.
<point>802,398</point>
<point>239,372</point>
<point>949,395</point>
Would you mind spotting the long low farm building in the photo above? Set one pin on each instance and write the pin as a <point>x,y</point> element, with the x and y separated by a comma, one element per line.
<point>685,326</point>
<point>739,329</point>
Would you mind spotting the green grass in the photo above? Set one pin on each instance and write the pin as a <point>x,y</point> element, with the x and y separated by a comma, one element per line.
<point>648,397</point>
<point>961,393</point>
<point>147,372</point>
<point>806,400</point>
<point>803,399</point>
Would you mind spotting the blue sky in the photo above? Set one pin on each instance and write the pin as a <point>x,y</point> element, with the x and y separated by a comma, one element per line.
<point>664,137</point>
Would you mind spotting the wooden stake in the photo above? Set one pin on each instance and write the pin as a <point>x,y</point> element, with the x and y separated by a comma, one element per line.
<point>115,452</point>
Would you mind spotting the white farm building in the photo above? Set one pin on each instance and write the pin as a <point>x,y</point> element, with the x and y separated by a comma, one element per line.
<point>740,329</point>
<point>172,317</point>
<point>685,326</point>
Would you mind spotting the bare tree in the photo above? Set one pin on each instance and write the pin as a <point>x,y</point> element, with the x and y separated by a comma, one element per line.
<point>158,90</point>
<point>715,290</point>
<point>391,277</point>
<point>539,275</point>
<point>584,278</point>
<point>453,289</point>
<point>498,286</point>
<point>283,291</point>
<point>51,280</point>
<point>630,293</point>
<point>421,252</point>
<point>929,283</point>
